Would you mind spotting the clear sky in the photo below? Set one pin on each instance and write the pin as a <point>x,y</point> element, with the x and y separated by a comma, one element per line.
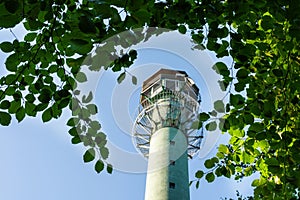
<point>38,160</point>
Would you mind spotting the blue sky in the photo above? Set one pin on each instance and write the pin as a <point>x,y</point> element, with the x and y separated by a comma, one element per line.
<point>38,160</point>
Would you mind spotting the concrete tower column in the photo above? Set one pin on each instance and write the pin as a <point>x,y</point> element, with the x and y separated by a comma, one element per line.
<point>167,176</point>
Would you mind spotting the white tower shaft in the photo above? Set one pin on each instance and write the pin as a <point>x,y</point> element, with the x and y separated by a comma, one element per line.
<point>167,177</point>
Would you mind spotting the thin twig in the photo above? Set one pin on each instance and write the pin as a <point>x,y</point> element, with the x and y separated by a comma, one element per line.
<point>13,34</point>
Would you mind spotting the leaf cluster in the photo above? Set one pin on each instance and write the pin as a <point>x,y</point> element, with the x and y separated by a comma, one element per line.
<point>262,83</point>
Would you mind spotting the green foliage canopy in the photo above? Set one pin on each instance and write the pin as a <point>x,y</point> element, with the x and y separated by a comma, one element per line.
<point>262,83</point>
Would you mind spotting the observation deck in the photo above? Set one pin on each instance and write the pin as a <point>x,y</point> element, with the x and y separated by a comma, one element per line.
<point>169,98</point>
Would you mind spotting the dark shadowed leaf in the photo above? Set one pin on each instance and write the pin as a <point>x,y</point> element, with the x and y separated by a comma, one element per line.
<point>89,155</point>
<point>221,69</point>
<point>182,29</point>
<point>20,114</point>
<point>203,116</point>
<point>209,164</point>
<point>197,184</point>
<point>5,118</point>
<point>109,168</point>
<point>47,115</point>
<point>6,47</point>
<point>199,174</point>
<point>5,104</point>
<point>99,166</point>
<point>121,77</point>
<point>210,177</point>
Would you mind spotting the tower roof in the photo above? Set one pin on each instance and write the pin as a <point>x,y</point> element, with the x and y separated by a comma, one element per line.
<point>170,74</point>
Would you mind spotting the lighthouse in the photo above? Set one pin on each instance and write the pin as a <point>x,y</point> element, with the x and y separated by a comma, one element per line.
<point>163,133</point>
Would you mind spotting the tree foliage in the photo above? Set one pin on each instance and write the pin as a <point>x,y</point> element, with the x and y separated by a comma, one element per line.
<point>262,83</point>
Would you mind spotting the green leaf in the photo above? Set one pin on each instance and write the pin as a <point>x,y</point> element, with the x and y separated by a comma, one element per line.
<point>272,161</point>
<point>196,124</point>
<point>20,114</point>
<point>12,6</point>
<point>242,73</point>
<point>210,177</point>
<point>5,118</point>
<point>132,54</point>
<point>81,46</point>
<point>47,115</point>
<point>109,168</point>
<point>30,37</point>
<point>89,155</point>
<point>236,100</point>
<point>240,86</point>
<point>197,184</point>
<point>182,29</point>
<point>134,80</point>
<point>30,109</point>
<point>76,140</point>
<point>30,98</point>
<point>255,183</point>
<point>63,103</point>
<point>95,125</point>
<point>219,106</point>
<point>267,22</point>
<point>213,113</point>
<point>221,69</point>
<point>14,106</point>
<point>211,126</point>
<point>277,72</point>
<point>6,47</point>
<point>73,131</point>
<point>12,62</point>
<point>104,152</point>
<point>223,149</point>
<point>10,79</point>
<point>73,121</point>
<point>100,139</point>
<point>256,127</point>
<point>121,77</point>
<point>248,118</point>
<point>81,77</point>
<point>237,133</point>
<point>92,109</point>
<point>209,163</point>
<point>199,174</point>
<point>87,99</point>
<point>99,166</point>
<point>203,116</point>
<point>142,16</point>
<point>5,104</point>
<point>86,25</point>
<point>45,96</point>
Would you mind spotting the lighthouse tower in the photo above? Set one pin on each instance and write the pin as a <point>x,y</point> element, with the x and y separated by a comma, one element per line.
<point>169,104</point>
